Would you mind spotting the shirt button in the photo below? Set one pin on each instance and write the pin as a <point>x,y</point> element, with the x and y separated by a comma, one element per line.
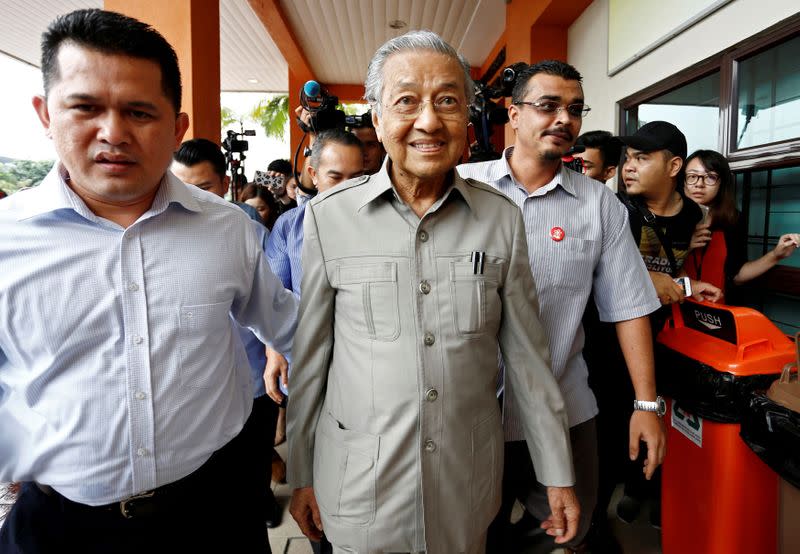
<point>133,287</point>
<point>138,340</point>
<point>429,339</point>
<point>431,395</point>
<point>140,395</point>
<point>430,446</point>
<point>423,236</point>
<point>141,452</point>
<point>424,287</point>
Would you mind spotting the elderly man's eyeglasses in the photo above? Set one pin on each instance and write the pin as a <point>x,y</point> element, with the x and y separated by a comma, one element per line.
<point>707,179</point>
<point>552,108</point>
<point>409,107</point>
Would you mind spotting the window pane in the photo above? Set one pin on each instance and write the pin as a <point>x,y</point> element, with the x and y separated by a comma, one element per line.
<point>784,311</point>
<point>758,212</point>
<point>693,108</point>
<point>769,95</point>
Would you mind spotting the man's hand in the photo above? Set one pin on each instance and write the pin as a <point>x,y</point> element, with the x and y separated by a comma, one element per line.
<point>648,427</point>
<point>705,291</point>
<point>701,236</point>
<point>277,369</point>
<point>305,512</point>
<point>564,513</point>
<point>667,289</point>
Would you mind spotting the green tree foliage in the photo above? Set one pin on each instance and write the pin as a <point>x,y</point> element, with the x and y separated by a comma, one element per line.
<point>19,174</point>
<point>273,116</point>
<point>228,117</point>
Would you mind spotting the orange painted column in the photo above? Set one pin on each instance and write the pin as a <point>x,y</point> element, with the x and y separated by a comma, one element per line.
<point>192,28</point>
<point>538,30</point>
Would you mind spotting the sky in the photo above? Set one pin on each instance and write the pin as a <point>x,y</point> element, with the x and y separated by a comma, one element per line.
<point>22,136</point>
<point>21,132</point>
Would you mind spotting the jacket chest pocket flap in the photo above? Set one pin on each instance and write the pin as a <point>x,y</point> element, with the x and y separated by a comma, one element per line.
<point>476,306</point>
<point>367,299</point>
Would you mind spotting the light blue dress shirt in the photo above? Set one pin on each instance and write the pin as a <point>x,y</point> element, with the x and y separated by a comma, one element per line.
<point>285,247</point>
<point>120,370</point>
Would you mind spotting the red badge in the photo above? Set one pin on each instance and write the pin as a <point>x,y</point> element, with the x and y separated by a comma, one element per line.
<point>557,234</point>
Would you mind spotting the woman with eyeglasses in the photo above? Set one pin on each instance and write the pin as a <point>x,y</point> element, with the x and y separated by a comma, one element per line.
<point>719,243</point>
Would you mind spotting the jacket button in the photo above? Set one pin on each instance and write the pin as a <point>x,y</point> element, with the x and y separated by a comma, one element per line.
<point>431,395</point>
<point>430,446</point>
<point>424,287</point>
<point>429,339</point>
<point>423,236</point>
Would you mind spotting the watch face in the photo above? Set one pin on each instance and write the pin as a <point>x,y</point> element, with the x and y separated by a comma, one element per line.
<point>662,406</point>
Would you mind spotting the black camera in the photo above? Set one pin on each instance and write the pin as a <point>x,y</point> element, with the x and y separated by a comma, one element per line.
<point>235,147</point>
<point>322,107</point>
<point>359,121</point>
<point>233,144</point>
<point>485,113</point>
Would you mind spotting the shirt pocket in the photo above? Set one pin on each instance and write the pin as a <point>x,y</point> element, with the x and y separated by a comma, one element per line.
<point>367,299</point>
<point>345,471</point>
<point>476,304</point>
<point>570,263</point>
<point>205,344</point>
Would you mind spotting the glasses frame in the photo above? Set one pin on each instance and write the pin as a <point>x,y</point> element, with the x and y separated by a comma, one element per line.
<point>460,112</point>
<point>698,177</point>
<point>538,105</point>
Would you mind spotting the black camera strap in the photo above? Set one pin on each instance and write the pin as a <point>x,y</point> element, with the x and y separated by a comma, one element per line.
<point>647,218</point>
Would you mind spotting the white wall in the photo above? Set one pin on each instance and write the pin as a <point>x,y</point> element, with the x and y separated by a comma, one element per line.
<point>588,51</point>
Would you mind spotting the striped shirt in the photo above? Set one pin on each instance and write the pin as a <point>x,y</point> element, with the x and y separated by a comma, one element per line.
<point>578,239</point>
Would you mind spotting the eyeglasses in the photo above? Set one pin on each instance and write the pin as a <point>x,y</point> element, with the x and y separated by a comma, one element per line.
<point>409,107</point>
<point>552,108</point>
<point>709,179</point>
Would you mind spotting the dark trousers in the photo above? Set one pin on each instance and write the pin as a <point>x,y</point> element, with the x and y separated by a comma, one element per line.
<point>214,509</point>
<point>262,437</point>
<point>519,483</point>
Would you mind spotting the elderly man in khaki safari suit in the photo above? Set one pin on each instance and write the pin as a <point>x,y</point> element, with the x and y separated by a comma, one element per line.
<point>411,278</point>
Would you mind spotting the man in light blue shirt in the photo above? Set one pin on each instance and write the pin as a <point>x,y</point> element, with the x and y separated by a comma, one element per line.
<point>125,392</point>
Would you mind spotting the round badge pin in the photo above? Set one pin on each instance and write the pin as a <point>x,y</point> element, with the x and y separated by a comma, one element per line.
<point>557,234</point>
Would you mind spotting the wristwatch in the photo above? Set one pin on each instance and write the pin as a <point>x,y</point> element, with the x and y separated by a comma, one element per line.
<point>659,406</point>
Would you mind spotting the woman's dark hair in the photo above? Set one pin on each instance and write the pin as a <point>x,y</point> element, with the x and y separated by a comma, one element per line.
<point>723,207</point>
<point>254,191</point>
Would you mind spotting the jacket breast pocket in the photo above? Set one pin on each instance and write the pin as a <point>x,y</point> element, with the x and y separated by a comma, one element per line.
<point>367,299</point>
<point>345,472</point>
<point>476,304</point>
<point>205,344</point>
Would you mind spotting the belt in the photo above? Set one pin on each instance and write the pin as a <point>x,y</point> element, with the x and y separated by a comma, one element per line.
<point>144,504</point>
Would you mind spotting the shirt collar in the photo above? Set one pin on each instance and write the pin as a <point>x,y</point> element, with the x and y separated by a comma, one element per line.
<point>380,183</point>
<point>55,194</point>
<point>502,168</point>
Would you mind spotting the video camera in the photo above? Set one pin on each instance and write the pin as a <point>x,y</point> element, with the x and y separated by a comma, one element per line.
<point>484,113</point>
<point>324,112</point>
<point>235,147</point>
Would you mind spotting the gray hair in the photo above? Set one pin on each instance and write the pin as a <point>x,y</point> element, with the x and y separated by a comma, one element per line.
<point>413,40</point>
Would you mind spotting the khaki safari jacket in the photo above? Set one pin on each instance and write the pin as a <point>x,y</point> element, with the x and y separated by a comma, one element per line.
<point>393,415</point>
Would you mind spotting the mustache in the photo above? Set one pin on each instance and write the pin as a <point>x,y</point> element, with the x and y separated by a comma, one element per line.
<point>562,133</point>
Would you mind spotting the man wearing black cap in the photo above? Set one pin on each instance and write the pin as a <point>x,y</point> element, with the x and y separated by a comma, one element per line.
<point>662,223</point>
<point>661,220</point>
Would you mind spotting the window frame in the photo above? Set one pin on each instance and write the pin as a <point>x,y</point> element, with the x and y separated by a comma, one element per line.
<point>779,153</point>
